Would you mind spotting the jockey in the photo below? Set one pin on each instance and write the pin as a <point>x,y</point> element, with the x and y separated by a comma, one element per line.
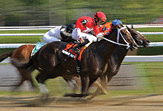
<point>106,28</point>
<point>58,33</point>
<point>117,22</point>
<point>86,25</point>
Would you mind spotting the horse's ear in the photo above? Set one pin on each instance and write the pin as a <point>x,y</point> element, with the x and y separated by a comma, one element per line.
<point>121,25</point>
<point>132,26</point>
<point>118,26</point>
<point>128,28</point>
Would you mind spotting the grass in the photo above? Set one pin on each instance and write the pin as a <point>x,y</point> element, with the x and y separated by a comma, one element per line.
<point>20,39</point>
<point>155,38</point>
<point>150,51</point>
<point>158,29</point>
<point>151,74</point>
<point>22,31</point>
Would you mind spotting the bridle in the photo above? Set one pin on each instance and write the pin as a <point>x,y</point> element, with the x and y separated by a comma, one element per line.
<point>117,43</point>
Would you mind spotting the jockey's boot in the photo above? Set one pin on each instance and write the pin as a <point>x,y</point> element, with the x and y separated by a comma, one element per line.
<point>76,48</point>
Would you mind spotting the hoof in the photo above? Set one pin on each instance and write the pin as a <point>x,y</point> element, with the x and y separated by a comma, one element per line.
<point>44,97</point>
<point>75,95</point>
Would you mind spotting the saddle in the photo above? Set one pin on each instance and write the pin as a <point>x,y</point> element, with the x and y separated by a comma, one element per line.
<point>68,51</point>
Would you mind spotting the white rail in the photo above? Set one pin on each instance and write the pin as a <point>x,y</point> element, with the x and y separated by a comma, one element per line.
<point>32,34</point>
<point>157,58</point>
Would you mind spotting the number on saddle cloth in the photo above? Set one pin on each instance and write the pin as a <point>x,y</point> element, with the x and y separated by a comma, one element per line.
<point>37,47</point>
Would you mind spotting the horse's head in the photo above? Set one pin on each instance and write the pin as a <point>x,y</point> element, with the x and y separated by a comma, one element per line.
<point>124,36</point>
<point>138,37</point>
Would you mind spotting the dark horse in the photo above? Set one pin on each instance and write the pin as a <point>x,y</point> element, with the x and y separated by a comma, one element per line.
<point>116,59</point>
<point>114,63</point>
<point>53,63</point>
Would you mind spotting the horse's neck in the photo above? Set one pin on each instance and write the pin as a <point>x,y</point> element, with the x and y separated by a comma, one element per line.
<point>119,55</point>
<point>105,48</point>
<point>116,59</point>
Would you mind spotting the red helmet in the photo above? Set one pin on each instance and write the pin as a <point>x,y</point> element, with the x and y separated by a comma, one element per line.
<point>100,16</point>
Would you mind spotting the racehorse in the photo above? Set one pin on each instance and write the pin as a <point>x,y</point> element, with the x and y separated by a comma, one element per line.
<point>114,63</point>
<point>23,54</point>
<point>116,59</point>
<point>93,64</point>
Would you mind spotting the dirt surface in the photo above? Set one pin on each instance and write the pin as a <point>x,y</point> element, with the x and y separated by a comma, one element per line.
<point>128,103</point>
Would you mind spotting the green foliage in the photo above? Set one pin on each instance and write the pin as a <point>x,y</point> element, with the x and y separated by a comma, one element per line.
<point>57,12</point>
<point>35,2</point>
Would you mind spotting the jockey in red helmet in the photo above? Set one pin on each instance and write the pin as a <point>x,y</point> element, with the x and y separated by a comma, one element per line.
<point>85,25</point>
<point>99,17</point>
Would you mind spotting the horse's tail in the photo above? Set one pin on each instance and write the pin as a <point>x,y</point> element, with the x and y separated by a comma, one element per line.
<point>5,55</point>
<point>31,65</point>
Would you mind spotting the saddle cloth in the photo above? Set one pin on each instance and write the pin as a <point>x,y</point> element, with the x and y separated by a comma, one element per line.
<point>37,47</point>
<point>75,55</point>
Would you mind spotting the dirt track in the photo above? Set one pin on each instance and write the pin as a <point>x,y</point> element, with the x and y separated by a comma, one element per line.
<point>128,103</point>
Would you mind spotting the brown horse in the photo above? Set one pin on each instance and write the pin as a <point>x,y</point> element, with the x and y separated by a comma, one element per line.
<point>23,54</point>
<point>54,63</point>
<point>116,59</point>
<point>114,63</point>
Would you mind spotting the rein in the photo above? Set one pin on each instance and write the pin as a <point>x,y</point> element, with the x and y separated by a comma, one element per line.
<point>117,43</point>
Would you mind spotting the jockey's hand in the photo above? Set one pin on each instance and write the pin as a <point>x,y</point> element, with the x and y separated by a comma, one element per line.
<point>81,40</point>
<point>100,36</point>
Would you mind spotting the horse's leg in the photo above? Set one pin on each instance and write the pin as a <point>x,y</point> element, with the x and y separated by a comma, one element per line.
<point>84,88</point>
<point>19,84</point>
<point>85,85</point>
<point>72,82</point>
<point>41,82</point>
<point>101,87</point>
<point>27,75</point>
<point>104,82</point>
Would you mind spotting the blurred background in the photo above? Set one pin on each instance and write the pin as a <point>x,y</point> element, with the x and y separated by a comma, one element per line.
<point>133,78</point>
<point>59,12</point>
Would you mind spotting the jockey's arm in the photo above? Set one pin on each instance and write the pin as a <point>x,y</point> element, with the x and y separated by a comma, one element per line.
<point>76,34</point>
